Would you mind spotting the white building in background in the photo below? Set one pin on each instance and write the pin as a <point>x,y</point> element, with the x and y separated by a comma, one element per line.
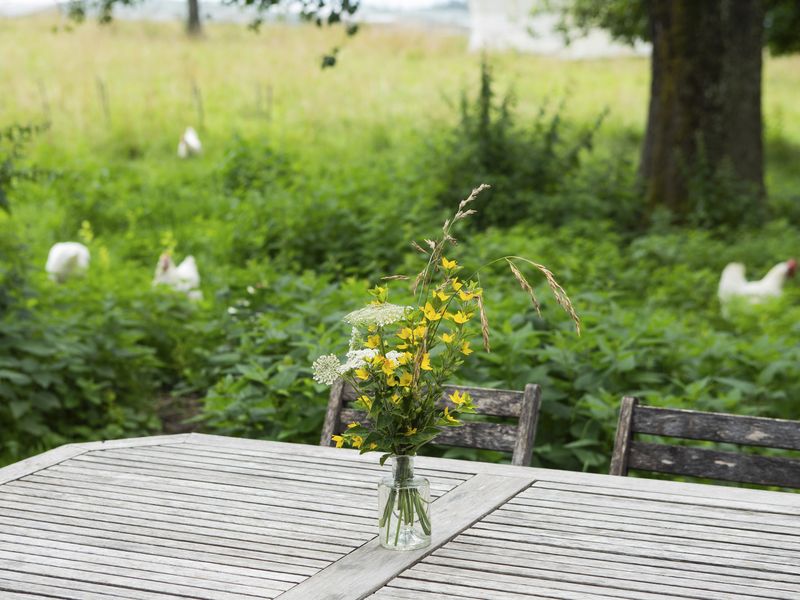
<point>511,25</point>
<point>490,24</point>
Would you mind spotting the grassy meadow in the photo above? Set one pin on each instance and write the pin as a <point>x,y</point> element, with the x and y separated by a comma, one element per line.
<point>310,185</point>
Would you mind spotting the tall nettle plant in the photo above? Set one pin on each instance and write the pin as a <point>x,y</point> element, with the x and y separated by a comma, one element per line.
<point>398,362</point>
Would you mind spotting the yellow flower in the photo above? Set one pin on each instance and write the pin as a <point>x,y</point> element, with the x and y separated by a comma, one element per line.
<point>373,341</point>
<point>448,338</point>
<point>449,264</point>
<point>401,347</point>
<point>395,398</point>
<point>405,379</point>
<point>425,365</point>
<point>405,357</point>
<point>441,295</point>
<point>366,401</point>
<point>430,312</point>
<point>465,349</point>
<point>410,431</point>
<point>362,373</point>
<point>391,381</point>
<point>465,296</point>
<point>353,424</point>
<point>420,331</point>
<point>338,439</point>
<point>356,441</point>
<point>448,416</point>
<point>377,360</point>
<point>458,398</point>
<point>460,317</point>
<point>456,284</point>
<point>405,333</point>
<point>373,445</point>
<point>389,367</point>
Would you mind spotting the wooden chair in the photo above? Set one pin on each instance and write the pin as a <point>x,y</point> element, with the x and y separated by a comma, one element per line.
<point>515,438</point>
<point>704,462</point>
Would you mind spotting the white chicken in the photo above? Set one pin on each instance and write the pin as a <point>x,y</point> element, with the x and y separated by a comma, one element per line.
<point>733,284</point>
<point>189,144</point>
<point>182,278</point>
<point>67,259</point>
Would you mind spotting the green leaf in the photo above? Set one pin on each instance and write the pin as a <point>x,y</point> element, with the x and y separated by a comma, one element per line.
<point>15,377</point>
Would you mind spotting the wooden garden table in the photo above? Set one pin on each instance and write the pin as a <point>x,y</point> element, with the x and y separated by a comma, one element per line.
<point>197,516</point>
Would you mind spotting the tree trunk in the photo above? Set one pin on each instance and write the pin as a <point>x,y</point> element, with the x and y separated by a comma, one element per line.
<point>193,26</point>
<point>705,99</point>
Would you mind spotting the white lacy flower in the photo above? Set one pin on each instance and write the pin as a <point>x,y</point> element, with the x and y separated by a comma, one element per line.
<point>375,314</point>
<point>357,359</point>
<point>394,356</point>
<point>326,369</point>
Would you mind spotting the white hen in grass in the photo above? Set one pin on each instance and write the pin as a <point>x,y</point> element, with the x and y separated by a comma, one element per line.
<point>67,259</point>
<point>182,278</point>
<point>733,284</point>
<point>189,144</point>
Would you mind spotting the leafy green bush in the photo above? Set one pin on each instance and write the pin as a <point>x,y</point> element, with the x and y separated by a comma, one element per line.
<point>84,360</point>
<point>261,367</point>
<point>529,168</point>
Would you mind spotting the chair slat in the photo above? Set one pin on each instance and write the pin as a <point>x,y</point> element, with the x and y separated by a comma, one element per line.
<point>713,464</point>
<point>517,438</point>
<point>472,434</point>
<point>718,427</point>
<point>496,403</point>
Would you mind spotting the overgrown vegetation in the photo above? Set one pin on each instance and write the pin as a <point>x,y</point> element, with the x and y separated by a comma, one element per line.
<point>292,211</point>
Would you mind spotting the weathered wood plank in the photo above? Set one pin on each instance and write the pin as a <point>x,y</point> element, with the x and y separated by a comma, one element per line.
<point>166,512</point>
<point>332,415</point>
<point>168,547</point>
<point>588,535</point>
<point>622,440</point>
<point>155,582</point>
<point>164,572</point>
<point>250,467</point>
<point>115,547</point>
<point>713,464</point>
<point>29,527</point>
<point>40,461</point>
<point>366,464</point>
<point>718,427</point>
<point>596,572</point>
<point>40,586</point>
<point>484,588</point>
<point>615,549</point>
<point>497,576</point>
<point>472,434</point>
<point>692,494</point>
<point>147,501</point>
<point>487,401</point>
<point>595,559</point>
<point>277,536</point>
<point>365,570</point>
<point>696,535</point>
<point>526,430</point>
<point>733,518</point>
<point>196,567</point>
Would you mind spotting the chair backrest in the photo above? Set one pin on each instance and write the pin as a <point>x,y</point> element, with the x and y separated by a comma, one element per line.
<point>515,438</point>
<point>704,462</point>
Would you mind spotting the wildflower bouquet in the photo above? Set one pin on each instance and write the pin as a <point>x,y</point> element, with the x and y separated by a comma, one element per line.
<point>400,358</point>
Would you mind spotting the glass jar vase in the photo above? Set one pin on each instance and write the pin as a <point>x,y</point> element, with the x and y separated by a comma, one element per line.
<point>404,500</point>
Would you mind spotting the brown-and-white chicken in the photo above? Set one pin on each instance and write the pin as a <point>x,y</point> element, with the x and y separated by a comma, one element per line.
<point>733,284</point>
